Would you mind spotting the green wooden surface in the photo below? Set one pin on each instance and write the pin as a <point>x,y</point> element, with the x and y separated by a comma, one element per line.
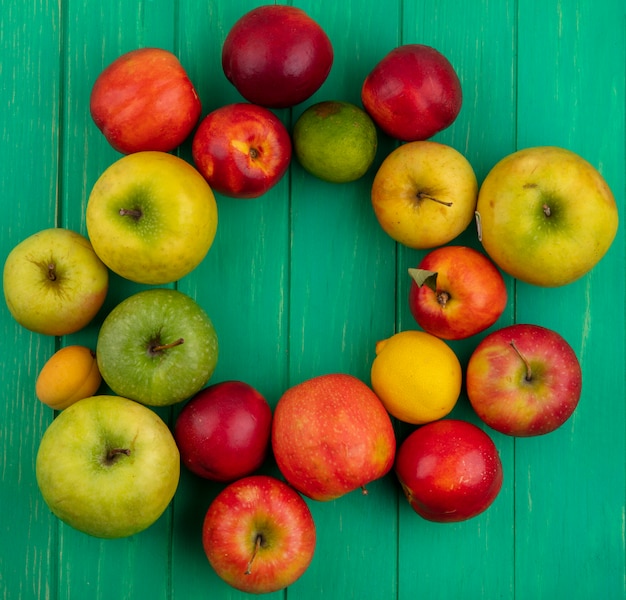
<point>302,282</point>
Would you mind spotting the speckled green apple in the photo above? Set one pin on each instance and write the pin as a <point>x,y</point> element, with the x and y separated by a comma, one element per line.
<point>108,466</point>
<point>546,216</point>
<point>54,283</point>
<point>151,217</point>
<point>157,347</point>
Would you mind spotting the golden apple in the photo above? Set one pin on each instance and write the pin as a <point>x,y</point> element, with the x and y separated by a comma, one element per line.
<point>545,215</point>
<point>424,194</point>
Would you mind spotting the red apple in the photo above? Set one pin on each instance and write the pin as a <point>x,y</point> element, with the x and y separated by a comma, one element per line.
<point>277,56</point>
<point>259,534</point>
<point>144,100</point>
<point>412,93</point>
<point>331,435</point>
<point>242,150</point>
<point>524,380</point>
<point>450,470</point>
<point>456,292</point>
<point>223,432</point>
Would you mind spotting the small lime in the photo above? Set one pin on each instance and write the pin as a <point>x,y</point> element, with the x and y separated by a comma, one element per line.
<point>335,141</point>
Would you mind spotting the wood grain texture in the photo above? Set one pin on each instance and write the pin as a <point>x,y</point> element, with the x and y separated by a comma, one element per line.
<point>303,281</point>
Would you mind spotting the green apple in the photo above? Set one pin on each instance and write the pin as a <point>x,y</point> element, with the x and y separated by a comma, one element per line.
<point>151,217</point>
<point>545,215</point>
<point>424,194</point>
<point>158,347</point>
<point>54,283</point>
<point>108,466</point>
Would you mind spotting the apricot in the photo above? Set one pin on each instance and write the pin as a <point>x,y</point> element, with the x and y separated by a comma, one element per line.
<point>69,375</point>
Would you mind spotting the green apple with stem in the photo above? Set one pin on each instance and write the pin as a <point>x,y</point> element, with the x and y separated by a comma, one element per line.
<point>151,217</point>
<point>54,283</point>
<point>546,216</point>
<point>108,466</point>
<point>157,347</point>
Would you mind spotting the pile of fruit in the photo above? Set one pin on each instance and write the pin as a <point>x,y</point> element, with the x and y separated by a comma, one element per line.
<point>544,216</point>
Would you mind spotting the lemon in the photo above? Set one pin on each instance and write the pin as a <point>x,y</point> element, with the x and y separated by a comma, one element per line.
<point>417,376</point>
<point>335,141</point>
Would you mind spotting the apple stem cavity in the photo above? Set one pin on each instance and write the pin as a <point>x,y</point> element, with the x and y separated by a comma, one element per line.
<point>135,213</point>
<point>423,196</point>
<point>114,454</point>
<point>529,371</point>
<point>258,542</point>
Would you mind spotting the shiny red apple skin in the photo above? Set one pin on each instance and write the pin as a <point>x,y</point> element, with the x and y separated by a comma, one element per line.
<point>449,470</point>
<point>259,505</point>
<point>501,394</point>
<point>242,150</point>
<point>144,100</point>
<point>223,432</point>
<point>277,56</point>
<point>412,93</point>
<point>470,295</point>
<point>332,435</point>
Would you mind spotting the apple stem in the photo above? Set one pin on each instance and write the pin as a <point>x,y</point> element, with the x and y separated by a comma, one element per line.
<point>442,298</point>
<point>257,544</point>
<point>546,210</point>
<point>364,490</point>
<point>529,372</point>
<point>52,274</point>
<point>131,212</point>
<point>422,196</point>
<point>161,347</point>
<point>114,453</point>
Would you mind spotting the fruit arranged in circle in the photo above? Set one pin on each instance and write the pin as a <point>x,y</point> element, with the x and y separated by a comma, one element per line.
<point>54,283</point>
<point>108,466</point>
<point>450,470</point>
<point>424,194</point>
<point>456,292</point>
<point>335,141</point>
<point>533,223</point>
<point>69,375</point>
<point>223,432</point>
<point>144,100</point>
<point>151,217</point>
<point>157,347</point>
<point>417,376</point>
<point>331,435</point>
<point>242,150</point>
<point>259,535</point>
<point>412,93</point>
<point>277,56</point>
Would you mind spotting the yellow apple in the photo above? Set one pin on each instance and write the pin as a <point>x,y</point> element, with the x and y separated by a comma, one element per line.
<point>545,215</point>
<point>151,217</point>
<point>424,194</point>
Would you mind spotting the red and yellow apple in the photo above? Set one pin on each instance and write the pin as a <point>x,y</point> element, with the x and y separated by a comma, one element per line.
<point>449,470</point>
<point>546,216</point>
<point>424,194</point>
<point>259,535</point>
<point>277,56</point>
<point>242,150</point>
<point>524,380</point>
<point>412,93</point>
<point>144,100</point>
<point>331,435</point>
<point>456,292</point>
<point>223,432</point>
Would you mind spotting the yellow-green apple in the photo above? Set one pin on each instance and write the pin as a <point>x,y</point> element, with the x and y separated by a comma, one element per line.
<point>276,56</point>
<point>456,292</point>
<point>412,93</point>
<point>524,380</point>
<point>223,432</point>
<point>108,466</point>
<point>144,100</point>
<point>158,347</point>
<point>331,435</point>
<point>449,470</point>
<point>546,216</point>
<point>151,217</point>
<point>242,149</point>
<point>54,283</point>
<point>259,535</point>
<point>424,194</point>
